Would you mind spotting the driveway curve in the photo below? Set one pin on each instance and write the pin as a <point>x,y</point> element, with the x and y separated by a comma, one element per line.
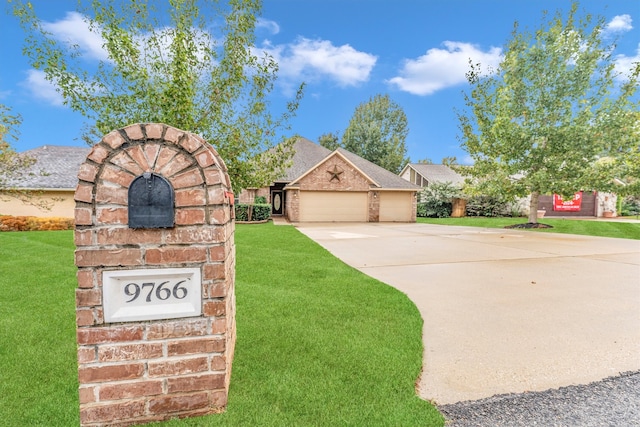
<point>505,311</point>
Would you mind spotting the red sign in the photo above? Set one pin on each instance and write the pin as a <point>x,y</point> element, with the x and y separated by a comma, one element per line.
<point>572,205</point>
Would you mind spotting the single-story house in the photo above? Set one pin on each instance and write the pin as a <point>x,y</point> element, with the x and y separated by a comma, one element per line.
<point>51,180</point>
<point>424,174</point>
<point>588,204</point>
<point>337,186</point>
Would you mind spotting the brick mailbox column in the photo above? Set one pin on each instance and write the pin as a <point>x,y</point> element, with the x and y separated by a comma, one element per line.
<point>155,303</point>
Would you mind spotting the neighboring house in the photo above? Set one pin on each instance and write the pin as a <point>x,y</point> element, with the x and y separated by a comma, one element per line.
<point>337,186</point>
<point>592,203</point>
<point>52,179</point>
<point>424,174</point>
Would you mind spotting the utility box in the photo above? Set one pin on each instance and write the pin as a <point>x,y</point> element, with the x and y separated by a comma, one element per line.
<point>155,304</point>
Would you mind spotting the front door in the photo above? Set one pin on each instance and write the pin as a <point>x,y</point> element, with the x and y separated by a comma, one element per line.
<point>277,202</point>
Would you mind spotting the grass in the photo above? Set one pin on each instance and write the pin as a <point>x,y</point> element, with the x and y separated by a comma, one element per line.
<point>319,344</point>
<point>619,229</point>
<point>38,384</point>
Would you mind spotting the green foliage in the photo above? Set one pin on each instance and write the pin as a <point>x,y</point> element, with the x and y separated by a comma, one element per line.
<point>488,206</point>
<point>165,64</point>
<point>242,212</point>
<point>630,206</point>
<point>252,212</point>
<point>436,200</point>
<point>377,132</point>
<point>330,140</point>
<point>260,200</point>
<point>421,210</point>
<point>261,212</point>
<point>12,164</point>
<point>554,117</point>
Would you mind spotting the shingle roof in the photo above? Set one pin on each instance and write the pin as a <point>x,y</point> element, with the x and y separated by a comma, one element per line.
<point>308,154</point>
<point>380,175</point>
<point>55,167</point>
<point>438,173</point>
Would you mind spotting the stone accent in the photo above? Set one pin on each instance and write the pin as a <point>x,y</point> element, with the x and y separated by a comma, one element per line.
<point>139,372</point>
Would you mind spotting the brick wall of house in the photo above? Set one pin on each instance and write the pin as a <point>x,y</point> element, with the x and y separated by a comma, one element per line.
<point>350,178</point>
<point>248,196</point>
<point>374,206</point>
<point>136,372</point>
<point>292,205</point>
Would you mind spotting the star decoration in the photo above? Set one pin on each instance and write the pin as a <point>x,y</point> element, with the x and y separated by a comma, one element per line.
<point>335,173</point>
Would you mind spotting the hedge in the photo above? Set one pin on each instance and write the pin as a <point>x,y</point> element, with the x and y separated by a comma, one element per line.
<point>258,212</point>
<point>32,223</point>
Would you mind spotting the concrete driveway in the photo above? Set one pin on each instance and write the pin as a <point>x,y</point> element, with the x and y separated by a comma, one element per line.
<point>505,311</point>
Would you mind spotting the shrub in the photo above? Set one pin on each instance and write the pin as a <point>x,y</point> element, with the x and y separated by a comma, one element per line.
<point>421,210</point>
<point>242,212</point>
<point>257,212</point>
<point>630,206</point>
<point>261,212</point>
<point>489,206</point>
<point>32,223</point>
<point>436,200</point>
<point>260,200</point>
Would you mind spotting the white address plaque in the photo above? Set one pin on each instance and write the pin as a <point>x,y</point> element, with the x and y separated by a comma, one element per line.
<point>162,293</point>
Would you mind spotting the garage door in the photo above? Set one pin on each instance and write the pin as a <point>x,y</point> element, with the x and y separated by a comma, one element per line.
<point>396,206</point>
<point>333,206</point>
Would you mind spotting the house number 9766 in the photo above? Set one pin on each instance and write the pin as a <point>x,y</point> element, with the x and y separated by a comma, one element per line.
<point>151,290</point>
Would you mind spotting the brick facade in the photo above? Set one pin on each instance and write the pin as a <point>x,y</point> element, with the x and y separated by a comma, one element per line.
<point>137,372</point>
<point>350,178</point>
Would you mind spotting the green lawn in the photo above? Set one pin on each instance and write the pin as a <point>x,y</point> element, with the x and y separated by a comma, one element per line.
<point>620,229</point>
<point>319,344</point>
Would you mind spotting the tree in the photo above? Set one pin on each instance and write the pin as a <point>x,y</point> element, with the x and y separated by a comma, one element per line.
<point>426,161</point>
<point>377,131</point>
<point>330,140</point>
<point>554,117</point>
<point>14,165</point>
<point>165,64</point>
<point>450,161</point>
<point>436,200</point>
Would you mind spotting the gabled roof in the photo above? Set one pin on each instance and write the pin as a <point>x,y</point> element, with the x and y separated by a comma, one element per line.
<point>436,173</point>
<point>380,175</point>
<point>306,155</point>
<point>56,167</point>
<point>334,154</point>
<point>309,154</point>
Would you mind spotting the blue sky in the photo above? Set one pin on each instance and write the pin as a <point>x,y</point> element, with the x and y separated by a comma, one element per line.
<point>347,51</point>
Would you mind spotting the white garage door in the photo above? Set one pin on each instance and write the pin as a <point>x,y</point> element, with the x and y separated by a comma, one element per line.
<point>396,206</point>
<point>333,206</point>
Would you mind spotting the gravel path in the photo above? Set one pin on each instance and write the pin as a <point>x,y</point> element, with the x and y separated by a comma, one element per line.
<point>614,401</point>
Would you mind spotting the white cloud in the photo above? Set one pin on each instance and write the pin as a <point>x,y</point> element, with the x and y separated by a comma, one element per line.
<point>625,64</point>
<point>41,88</point>
<point>467,160</point>
<point>619,24</point>
<point>271,26</point>
<point>74,30</point>
<point>442,68</point>
<point>313,60</point>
